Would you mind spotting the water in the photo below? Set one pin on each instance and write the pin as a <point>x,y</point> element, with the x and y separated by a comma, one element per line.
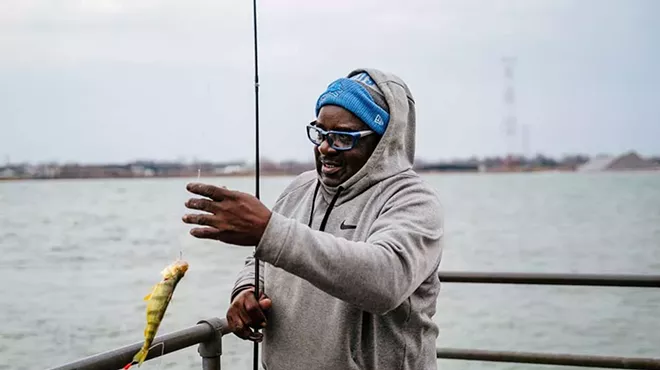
<point>78,256</point>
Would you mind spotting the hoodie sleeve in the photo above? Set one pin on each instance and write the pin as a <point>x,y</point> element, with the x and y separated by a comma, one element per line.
<point>403,248</point>
<point>245,278</point>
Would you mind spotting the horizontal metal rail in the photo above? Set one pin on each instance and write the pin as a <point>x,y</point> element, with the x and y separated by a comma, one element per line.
<point>612,280</point>
<point>549,359</point>
<point>208,333</point>
<point>603,280</point>
<point>212,330</point>
<point>205,331</point>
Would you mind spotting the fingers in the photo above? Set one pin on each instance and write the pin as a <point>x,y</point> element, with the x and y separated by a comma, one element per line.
<point>206,233</point>
<point>250,313</point>
<point>245,313</point>
<point>236,324</point>
<point>212,218</point>
<point>254,312</point>
<point>265,303</point>
<point>203,205</point>
<point>200,219</point>
<point>210,191</point>
<point>238,327</point>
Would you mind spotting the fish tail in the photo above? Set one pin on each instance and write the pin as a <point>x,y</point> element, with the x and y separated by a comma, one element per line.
<point>141,356</point>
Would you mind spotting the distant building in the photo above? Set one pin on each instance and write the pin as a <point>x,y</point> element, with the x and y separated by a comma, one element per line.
<point>8,173</point>
<point>141,171</point>
<point>230,169</point>
<point>625,162</point>
<point>450,167</point>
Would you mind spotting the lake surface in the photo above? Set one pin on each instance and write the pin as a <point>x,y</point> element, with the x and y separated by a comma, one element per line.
<point>78,256</point>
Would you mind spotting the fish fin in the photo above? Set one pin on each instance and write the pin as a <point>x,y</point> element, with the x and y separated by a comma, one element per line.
<point>148,296</point>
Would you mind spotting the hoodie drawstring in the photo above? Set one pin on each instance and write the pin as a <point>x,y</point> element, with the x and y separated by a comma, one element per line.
<point>327,212</point>
<point>311,214</point>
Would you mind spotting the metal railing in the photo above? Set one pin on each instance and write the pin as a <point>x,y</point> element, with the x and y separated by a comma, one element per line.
<point>610,280</point>
<point>208,333</point>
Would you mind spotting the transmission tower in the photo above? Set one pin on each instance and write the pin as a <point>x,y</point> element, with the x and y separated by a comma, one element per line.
<point>510,121</point>
<point>525,140</point>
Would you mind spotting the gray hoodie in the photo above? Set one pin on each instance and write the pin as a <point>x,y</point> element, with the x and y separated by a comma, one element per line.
<point>360,293</point>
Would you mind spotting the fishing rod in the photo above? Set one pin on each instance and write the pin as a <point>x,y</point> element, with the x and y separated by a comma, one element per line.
<point>255,359</point>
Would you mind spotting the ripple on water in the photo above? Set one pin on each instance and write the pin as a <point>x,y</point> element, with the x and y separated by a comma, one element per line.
<point>66,248</point>
<point>8,236</point>
<point>76,260</point>
<point>18,334</point>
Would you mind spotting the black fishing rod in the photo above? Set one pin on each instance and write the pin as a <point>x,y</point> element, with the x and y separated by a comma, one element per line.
<point>255,360</point>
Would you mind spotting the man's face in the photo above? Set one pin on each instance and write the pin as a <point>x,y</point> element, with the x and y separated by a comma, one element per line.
<point>335,166</point>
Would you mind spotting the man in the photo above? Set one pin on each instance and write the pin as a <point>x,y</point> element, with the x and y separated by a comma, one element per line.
<point>349,253</point>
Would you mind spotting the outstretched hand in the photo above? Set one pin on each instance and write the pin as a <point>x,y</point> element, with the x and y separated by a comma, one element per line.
<point>233,217</point>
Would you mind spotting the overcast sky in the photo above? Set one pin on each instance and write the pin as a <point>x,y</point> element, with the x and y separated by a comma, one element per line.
<point>113,81</point>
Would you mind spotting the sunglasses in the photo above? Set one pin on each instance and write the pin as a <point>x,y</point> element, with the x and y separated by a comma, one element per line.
<point>338,140</point>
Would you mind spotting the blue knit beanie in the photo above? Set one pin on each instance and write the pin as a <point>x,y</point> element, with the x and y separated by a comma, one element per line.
<point>361,96</point>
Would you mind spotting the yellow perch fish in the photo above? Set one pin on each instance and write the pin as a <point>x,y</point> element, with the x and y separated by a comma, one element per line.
<point>158,300</point>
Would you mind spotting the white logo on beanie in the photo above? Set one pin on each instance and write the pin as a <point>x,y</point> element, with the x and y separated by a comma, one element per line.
<point>364,78</point>
<point>379,120</point>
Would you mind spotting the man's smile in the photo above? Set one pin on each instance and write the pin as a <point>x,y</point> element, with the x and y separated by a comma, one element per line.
<point>330,167</point>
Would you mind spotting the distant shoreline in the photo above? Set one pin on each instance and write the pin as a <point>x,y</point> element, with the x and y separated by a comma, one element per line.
<point>270,174</point>
<point>274,175</point>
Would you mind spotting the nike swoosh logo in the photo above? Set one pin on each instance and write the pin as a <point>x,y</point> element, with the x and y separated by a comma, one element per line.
<point>343,226</point>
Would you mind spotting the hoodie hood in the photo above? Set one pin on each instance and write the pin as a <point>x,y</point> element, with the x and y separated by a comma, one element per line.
<point>395,152</point>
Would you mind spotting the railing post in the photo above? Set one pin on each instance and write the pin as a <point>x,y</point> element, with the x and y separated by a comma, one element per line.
<point>211,350</point>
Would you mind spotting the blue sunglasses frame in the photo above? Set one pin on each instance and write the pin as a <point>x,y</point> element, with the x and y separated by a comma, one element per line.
<point>355,135</point>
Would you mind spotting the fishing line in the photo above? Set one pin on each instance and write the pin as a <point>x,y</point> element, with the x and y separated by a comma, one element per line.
<point>162,353</point>
<point>255,360</point>
<point>182,243</point>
